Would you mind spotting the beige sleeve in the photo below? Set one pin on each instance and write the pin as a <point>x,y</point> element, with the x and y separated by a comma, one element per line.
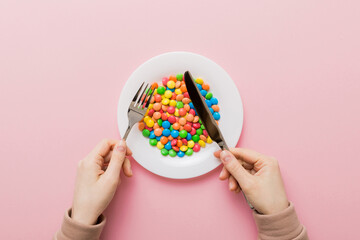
<point>72,230</point>
<point>284,225</point>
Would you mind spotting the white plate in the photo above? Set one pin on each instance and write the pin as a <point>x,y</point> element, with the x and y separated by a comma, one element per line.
<point>222,87</point>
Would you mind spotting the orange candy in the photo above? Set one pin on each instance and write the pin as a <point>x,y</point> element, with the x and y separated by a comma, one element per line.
<point>179,143</point>
<point>156,126</point>
<point>172,78</point>
<point>170,138</point>
<point>164,108</point>
<point>205,86</point>
<point>186,100</point>
<point>164,140</point>
<point>158,132</point>
<point>176,126</point>
<point>183,88</point>
<point>157,115</point>
<point>177,84</point>
<point>182,121</point>
<point>179,97</point>
<point>187,107</point>
<point>157,106</point>
<point>190,117</point>
<point>202,137</point>
<point>216,108</point>
<point>154,85</point>
<point>141,126</point>
<point>196,119</point>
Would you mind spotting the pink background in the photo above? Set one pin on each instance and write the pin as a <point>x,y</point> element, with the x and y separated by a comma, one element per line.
<point>62,67</point>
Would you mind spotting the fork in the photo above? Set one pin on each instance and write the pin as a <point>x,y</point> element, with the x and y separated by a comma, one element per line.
<point>137,109</point>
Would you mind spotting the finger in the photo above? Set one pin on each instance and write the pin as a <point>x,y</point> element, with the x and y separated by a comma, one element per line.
<point>224,174</point>
<point>238,189</point>
<point>246,155</point>
<point>128,151</point>
<point>217,154</point>
<point>235,168</point>
<point>127,168</point>
<point>116,160</point>
<point>103,147</point>
<point>233,185</point>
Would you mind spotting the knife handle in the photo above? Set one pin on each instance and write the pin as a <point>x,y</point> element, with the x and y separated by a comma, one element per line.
<point>224,146</point>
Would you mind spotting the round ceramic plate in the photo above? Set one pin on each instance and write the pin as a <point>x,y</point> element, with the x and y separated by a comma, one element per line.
<point>221,86</point>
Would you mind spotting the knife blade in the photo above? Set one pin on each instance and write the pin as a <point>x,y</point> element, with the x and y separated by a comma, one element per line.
<point>206,117</point>
<point>203,112</point>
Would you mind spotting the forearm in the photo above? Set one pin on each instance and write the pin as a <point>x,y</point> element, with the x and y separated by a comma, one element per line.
<point>282,225</point>
<point>72,230</point>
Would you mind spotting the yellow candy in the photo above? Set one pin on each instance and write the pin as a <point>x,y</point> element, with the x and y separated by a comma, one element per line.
<point>159,145</point>
<point>202,143</point>
<point>165,101</point>
<point>150,123</point>
<point>171,84</point>
<point>178,91</point>
<point>168,114</point>
<point>176,112</point>
<point>183,148</point>
<point>191,144</point>
<point>155,92</point>
<point>168,94</point>
<point>199,81</point>
<point>208,140</point>
<point>150,106</point>
<point>162,96</point>
<point>146,119</point>
<point>172,103</point>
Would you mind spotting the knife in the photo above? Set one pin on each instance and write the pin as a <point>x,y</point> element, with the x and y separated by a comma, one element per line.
<point>205,115</point>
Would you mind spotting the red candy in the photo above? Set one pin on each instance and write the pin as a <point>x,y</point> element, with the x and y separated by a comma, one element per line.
<point>196,147</point>
<point>187,127</point>
<point>205,133</point>
<point>165,81</point>
<point>173,142</point>
<point>164,116</point>
<point>196,125</point>
<point>192,112</point>
<point>182,112</point>
<point>171,119</point>
<point>186,95</point>
<point>151,112</point>
<point>193,131</point>
<point>171,109</point>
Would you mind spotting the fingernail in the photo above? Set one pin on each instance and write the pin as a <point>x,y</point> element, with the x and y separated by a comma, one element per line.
<point>121,146</point>
<point>224,156</point>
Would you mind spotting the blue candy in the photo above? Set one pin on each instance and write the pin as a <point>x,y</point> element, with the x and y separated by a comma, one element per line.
<point>191,105</point>
<point>208,102</point>
<point>203,92</point>
<point>180,153</point>
<point>158,138</point>
<point>188,137</point>
<point>211,110</point>
<point>174,133</point>
<point>166,124</point>
<point>199,86</point>
<point>171,89</point>
<point>168,146</point>
<point>166,132</point>
<point>152,135</point>
<point>216,115</point>
<point>214,101</point>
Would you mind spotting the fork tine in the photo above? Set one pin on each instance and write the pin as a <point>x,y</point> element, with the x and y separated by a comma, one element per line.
<point>139,101</point>
<point>137,93</point>
<point>148,102</point>
<point>145,97</point>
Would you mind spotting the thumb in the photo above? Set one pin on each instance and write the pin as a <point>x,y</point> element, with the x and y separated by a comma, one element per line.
<point>117,160</point>
<point>235,168</point>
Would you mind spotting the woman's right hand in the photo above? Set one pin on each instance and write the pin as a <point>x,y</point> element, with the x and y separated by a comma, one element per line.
<point>258,177</point>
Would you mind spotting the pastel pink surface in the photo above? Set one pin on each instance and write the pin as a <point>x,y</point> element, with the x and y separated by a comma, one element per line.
<point>62,67</point>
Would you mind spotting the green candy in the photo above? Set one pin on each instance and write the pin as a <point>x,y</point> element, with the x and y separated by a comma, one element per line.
<point>164,152</point>
<point>195,138</point>
<point>159,121</point>
<point>153,142</point>
<point>148,90</point>
<point>171,128</point>
<point>146,133</point>
<point>209,95</point>
<point>189,152</point>
<point>202,127</point>
<point>183,133</point>
<point>200,121</point>
<point>161,90</point>
<point>179,105</point>
<point>179,77</point>
<point>199,131</point>
<point>172,153</point>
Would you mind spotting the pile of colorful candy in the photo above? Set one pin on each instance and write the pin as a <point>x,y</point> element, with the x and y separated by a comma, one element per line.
<point>171,122</point>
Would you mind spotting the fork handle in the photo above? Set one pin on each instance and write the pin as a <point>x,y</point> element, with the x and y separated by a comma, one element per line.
<point>224,146</point>
<point>127,132</point>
